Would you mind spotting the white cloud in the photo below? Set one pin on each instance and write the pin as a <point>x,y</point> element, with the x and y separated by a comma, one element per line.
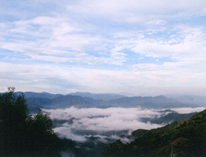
<point>138,11</point>
<point>101,121</point>
<point>191,43</point>
<point>105,119</point>
<point>188,110</point>
<point>65,132</point>
<point>58,79</point>
<point>58,56</point>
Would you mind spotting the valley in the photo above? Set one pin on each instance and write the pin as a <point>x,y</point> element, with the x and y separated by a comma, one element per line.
<point>93,122</point>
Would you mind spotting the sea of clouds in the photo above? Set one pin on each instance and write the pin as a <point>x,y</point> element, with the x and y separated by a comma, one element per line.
<point>81,123</point>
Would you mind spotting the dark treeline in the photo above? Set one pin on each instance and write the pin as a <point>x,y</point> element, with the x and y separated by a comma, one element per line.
<point>24,134</point>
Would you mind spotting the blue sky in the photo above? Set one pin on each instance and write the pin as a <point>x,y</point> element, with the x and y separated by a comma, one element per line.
<point>140,47</point>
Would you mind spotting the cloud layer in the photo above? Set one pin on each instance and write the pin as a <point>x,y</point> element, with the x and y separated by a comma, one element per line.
<point>85,122</point>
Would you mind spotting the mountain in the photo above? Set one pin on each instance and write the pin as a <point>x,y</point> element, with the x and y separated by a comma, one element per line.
<point>47,100</point>
<point>147,102</point>
<point>38,95</point>
<point>185,137</point>
<point>35,104</point>
<point>172,117</point>
<point>168,118</point>
<point>105,97</point>
<point>77,101</point>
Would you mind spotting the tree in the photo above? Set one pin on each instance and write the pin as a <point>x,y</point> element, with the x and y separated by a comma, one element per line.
<point>13,112</point>
<point>22,134</point>
<point>40,137</point>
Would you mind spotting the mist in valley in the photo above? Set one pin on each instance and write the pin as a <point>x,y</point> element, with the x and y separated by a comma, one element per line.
<point>111,123</point>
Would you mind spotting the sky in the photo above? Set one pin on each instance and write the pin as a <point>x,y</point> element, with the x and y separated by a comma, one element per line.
<point>141,47</point>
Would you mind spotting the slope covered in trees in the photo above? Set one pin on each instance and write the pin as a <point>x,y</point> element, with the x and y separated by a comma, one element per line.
<point>187,137</point>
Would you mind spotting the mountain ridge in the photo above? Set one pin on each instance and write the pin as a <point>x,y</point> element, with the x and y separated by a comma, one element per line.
<point>66,101</point>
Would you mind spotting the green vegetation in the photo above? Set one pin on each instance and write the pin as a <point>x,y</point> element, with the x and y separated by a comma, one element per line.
<point>188,138</point>
<point>22,134</point>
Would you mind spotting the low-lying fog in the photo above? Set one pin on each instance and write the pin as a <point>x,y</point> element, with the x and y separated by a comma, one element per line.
<point>81,123</point>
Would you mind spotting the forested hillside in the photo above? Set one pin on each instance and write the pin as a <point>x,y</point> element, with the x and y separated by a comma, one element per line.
<point>187,137</point>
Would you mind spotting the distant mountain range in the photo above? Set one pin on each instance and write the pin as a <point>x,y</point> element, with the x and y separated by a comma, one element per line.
<point>106,96</point>
<point>147,102</point>
<point>86,100</point>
